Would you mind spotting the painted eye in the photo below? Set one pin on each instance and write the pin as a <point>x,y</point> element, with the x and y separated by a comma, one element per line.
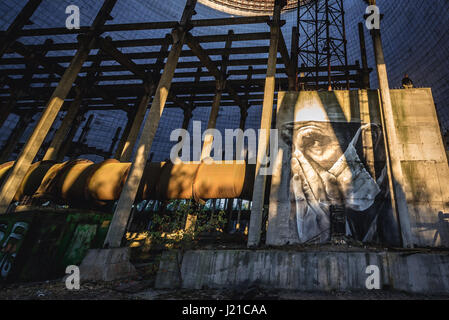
<point>312,139</point>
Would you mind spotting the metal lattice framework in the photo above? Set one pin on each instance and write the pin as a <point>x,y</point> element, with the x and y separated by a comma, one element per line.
<point>322,43</point>
<point>118,74</point>
<point>250,7</point>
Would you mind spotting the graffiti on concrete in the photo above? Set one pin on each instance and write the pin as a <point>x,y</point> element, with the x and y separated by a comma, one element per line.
<point>10,240</point>
<point>327,170</point>
<point>331,164</point>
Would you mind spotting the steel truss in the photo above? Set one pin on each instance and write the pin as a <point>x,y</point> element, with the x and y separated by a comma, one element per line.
<point>322,49</point>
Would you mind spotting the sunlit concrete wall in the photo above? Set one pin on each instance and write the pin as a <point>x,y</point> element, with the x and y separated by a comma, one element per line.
<point>302,192</point>
<point>424,165</point>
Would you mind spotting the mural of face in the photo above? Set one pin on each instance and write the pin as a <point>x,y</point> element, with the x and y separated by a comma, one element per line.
<point>317,141</point>
<point>327,170</point>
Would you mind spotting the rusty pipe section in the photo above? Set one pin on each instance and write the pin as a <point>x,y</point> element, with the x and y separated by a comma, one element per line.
<point>84,182</point>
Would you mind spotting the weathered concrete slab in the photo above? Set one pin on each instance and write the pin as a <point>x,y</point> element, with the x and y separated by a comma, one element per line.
<point>307,271</point>
<point>106,265</point>
<point>425,166</point>
<point>316,128</point>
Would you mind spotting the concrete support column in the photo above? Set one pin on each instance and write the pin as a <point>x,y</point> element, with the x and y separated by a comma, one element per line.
<point>188,115</point>
<point>133,134</point>
<point>114,141</point>
<point>21,166</point>
<point>209,139</point>
<point>293,83</point>
<point>240,138</point>
<point>135,118</point>
<point>399,200</point>
<point>191,218</point>
<point>365,70</point>
<point>128,195</point>
<point>66,146</point>
<point>255,227</point>
<point>72,112</point>
<point>220,87</point>
<point>118,153</point>
<point>229,212</point>
<point>243,117</point>
<point>60,135</point>
<point>191,222</point>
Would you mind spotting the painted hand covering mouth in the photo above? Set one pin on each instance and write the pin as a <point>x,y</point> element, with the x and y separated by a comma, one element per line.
<point>324,175</point>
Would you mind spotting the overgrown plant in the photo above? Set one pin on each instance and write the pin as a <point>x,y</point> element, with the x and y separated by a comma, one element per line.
<point>168,226</point>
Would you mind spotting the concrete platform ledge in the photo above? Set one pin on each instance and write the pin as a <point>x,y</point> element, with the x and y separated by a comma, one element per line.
<point>307,271</point>
<point>106,265</point>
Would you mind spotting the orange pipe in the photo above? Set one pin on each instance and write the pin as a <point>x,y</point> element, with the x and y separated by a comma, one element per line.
<point>83,182</point>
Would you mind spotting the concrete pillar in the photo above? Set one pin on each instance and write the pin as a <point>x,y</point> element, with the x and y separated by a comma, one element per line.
<point>220,87</point>
<point>114,141</point>
<point>135,118</point>
<point>209,139</point>
<point>60,135</point>
<point>191,222</point>
<point>118,152</point>
<point>21,166</point>
<point>128,147</point>
<point>243,117</point>
<point>399,200</point>
<point>72,112</point>
<point>191,217</point>
<point>66,146</point>
<point>229,211</point>
<point>128,195</point>
<point>264,139</point>
<point>188,115</point>
<point>365,69</point>
<point>240,138</point>
<point>293,83</point>
<point>239,216</point>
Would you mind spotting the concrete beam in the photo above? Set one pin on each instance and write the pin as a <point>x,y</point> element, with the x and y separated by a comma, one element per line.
<point>62,132</point>
<point>142,108</point>
<point>396,178</point>
<point>221,85</point>
<point>21,166</point>
<point>58,139</point>
<point>256,218</point>
<point>121,215</point>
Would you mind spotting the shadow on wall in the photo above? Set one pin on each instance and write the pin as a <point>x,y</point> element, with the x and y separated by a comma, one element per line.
<point>441,229</point>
